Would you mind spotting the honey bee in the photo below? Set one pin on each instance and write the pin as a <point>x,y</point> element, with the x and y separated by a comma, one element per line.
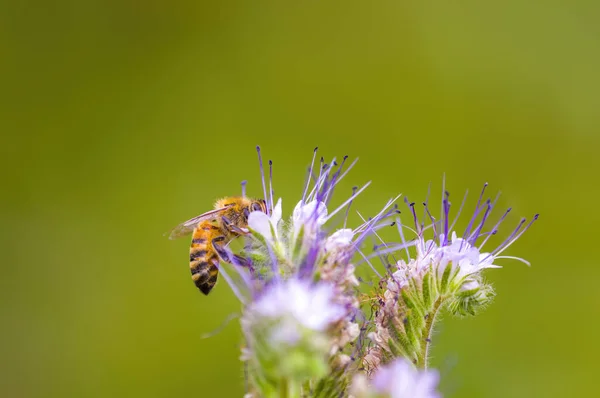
<point>211,231</point>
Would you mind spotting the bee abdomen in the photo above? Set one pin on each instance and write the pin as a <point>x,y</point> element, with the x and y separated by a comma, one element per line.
<point>203,258</point>
<point>205,273</point>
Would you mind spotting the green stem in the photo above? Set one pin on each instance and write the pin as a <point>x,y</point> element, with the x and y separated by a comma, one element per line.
<point>284,388</point>
<point>289,389</point>
<point>427,332</point>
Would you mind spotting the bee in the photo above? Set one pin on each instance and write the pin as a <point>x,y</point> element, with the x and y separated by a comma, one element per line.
<point>213,230</point>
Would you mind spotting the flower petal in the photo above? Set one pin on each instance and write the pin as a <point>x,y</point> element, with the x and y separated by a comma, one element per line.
<point>261,223</point>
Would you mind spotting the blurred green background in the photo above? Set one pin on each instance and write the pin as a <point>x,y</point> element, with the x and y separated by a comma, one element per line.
<point>120,119</point>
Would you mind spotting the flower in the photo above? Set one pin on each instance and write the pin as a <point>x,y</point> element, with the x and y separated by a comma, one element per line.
<point>445,271</point>
<point>312,306</point>
<point>313,213</point>
<point>400,379</point>
<point>266,225</point>
<point>301,311</point>
<point>288,329</point>
<point>460,257</point>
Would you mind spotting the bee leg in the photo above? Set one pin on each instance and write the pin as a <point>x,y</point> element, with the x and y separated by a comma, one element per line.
<point>242,262</point>
<point>229,257</point>
<point>233,228</point>
<point>216,243</point>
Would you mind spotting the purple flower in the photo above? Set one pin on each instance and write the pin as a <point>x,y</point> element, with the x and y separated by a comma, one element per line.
<point>400,379</point>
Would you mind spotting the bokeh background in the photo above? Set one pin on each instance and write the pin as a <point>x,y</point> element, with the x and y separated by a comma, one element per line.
<point>120,119</point>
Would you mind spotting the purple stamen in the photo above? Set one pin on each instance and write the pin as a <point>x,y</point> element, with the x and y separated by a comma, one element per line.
<point>310,174</point>
<point>271,184</point>
<point>390,249</point>
<point>426,211</point>
<point>414,213</point>
<point>319,182</point>
<point>535,217</point>
<point>512,235</point>
<point>244,188</point>
<point>399,225</point>
<point>368,262</point>
<point>323,174</point>
<point>382,215</point>
<point>324,183</point>
<point>375,227</point>
<point>494,230</point>
<point>459,211</point>
<point>443,214</point>
<point>364,228</point>
<point>475,214</point>
<point>262,176</point>
<point>354,195</point>
<point>347,170</point>
<point>334,180</point>
<point>433,222</point>
<point>385,263</point>
<point>446,205</point>
<point>473,238</point>
<point>348,208</point>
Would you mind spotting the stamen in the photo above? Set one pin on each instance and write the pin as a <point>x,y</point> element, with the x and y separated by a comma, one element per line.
<point>334,180</point>
<point>365,259</point>
<point>348,201</point>
<point>494,230</point>
<point>385,262</point>
<point>443,215</point>
<point>425,203</point>
<point>516,258</point>
<point>399,225</point>
<point>219,328</point>
<point>323,174</point>
<point>262,176</point>
<point>383,214</point>
<point>374,230</point>
<point>475,214</point>
<point>271,184</point>
<point>507,240</point>
<point>473,238</point>
<point>518,236</point>
<point>414,213</point>
<point>310,173</point>
<point>433,222</point>
<point>347,170</point>
<point>231,284</point>
<point>459,211</point>
<point>446,205</point>
<point>348,208</point>
<point>364,228</point>
<point>390,249</point>
<point>244,188</point>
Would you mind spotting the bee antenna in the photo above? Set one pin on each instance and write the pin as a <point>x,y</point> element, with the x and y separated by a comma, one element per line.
<point>244,188</point>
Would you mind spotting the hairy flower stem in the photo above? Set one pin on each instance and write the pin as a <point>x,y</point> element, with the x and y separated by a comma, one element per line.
<point>289,389</point>
<point>284,388</point>
<point>427,332</point>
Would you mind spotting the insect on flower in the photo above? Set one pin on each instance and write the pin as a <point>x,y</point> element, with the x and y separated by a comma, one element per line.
<point>211,231</point>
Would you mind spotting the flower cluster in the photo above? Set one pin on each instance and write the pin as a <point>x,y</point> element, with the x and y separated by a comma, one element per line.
<point>306,324</point>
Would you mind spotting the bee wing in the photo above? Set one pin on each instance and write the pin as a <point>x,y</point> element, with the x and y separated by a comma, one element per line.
<point>187,227</point>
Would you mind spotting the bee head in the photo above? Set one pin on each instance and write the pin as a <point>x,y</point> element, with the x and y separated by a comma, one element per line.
<point>259,205</point>
<point>256,205</point>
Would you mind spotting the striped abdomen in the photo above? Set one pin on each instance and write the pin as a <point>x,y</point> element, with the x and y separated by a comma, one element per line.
<point>204,260</point>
